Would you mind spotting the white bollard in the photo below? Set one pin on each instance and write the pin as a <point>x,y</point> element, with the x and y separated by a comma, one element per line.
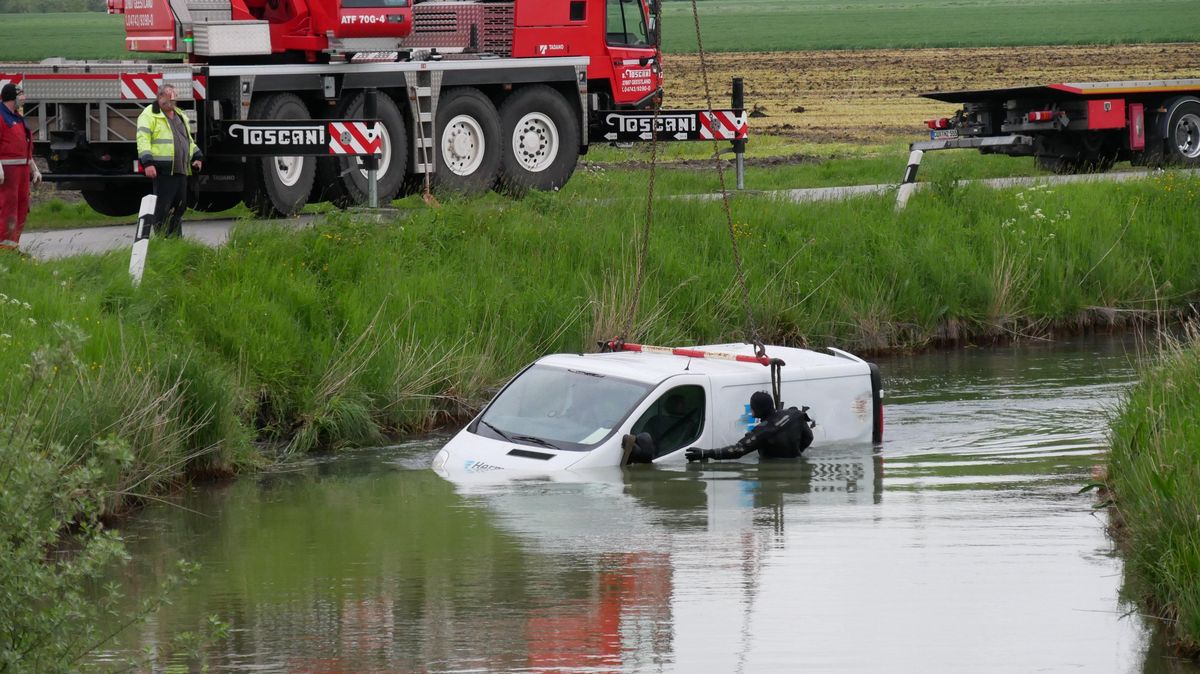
<point>141,238</point>
<point>909,184</point>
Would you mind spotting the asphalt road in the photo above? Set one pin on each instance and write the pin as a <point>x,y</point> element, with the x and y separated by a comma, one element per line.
<point>50,244</point>
<point>56,243</point>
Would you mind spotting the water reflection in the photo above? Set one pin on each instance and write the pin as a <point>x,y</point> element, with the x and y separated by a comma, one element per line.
<point>658,528</point>
<point>960,544</point>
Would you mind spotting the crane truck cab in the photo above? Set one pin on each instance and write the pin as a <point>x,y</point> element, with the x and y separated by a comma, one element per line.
<point>618,36</point>
<point>577,411</point>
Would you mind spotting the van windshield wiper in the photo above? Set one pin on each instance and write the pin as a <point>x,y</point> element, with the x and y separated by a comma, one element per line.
<point>497,430</point>
<point>536,441</point>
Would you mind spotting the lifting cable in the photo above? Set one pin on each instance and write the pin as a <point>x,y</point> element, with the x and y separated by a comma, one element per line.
<point>752,334</point>
<point>644,244</point>
<point>751,329</point>
<point>777,382</point>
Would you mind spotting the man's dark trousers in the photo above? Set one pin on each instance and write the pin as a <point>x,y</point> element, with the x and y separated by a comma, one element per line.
<point>171,190</point>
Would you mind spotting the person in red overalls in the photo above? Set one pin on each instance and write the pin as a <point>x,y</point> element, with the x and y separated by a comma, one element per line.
<point>17,168</point>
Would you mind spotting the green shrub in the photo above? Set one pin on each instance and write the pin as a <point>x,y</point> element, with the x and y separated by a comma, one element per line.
<point>52,613</point>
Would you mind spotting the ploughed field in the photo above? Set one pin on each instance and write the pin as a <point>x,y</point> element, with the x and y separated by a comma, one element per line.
<point>874,95</point>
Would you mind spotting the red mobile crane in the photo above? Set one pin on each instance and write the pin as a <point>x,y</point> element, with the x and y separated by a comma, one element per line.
<point>472,94</point>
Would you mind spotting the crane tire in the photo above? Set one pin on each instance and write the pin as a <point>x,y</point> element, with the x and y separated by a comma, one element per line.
<point>327,185</point>
<point>278,186</point>
<point>116,202</point>
<point>467,150</point>
<point>540,132</point>
<point>344,179</point>
<point>215,202</point>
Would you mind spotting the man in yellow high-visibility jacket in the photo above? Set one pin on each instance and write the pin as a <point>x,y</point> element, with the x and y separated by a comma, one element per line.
<point>166,149</point>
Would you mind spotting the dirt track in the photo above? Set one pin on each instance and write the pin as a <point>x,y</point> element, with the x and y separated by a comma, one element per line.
<point>873,95</point>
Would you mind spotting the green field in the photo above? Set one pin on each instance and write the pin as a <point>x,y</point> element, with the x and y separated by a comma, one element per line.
<point>788,25</point>
<point>763,25</point>
<point>73,35</point>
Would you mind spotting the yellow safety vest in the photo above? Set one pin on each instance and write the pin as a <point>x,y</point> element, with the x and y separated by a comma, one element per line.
<point>155,142</point>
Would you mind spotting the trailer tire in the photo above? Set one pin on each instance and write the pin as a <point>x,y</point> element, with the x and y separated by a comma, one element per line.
<point>116,202</point>
<point>1098,163</point>
<point>279,186</point>
<point>1058,165</point>
<point>468,146</point>
<point>1183,135</point>
<point>541,140</point>
<point>1101,163</point>
<point>343,179</point>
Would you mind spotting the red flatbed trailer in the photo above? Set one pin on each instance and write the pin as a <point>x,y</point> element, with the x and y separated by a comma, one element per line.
<point>1076,126</point>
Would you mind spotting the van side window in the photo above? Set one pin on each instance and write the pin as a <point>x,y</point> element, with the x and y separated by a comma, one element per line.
<point>675,420</point>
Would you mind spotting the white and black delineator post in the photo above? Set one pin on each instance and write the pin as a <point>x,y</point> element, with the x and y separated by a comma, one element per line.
<point>141,238</point>
<point>909,184</point>
<point>371,161</point>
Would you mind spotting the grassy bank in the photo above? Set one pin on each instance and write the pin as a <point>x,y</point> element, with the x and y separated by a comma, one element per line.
<point>1154,475</point>
<point>350,332</point>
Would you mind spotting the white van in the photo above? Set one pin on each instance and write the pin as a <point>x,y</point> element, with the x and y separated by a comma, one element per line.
<point>572,411</point>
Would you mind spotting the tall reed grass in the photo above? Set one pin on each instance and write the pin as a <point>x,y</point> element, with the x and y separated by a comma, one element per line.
<point>353,331</point>
<point>1154,478</point>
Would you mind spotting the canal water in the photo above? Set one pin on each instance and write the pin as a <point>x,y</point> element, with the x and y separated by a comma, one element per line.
<point>960,544</point>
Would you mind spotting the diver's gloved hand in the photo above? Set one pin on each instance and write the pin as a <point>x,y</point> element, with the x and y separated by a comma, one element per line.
<point>697,454</point>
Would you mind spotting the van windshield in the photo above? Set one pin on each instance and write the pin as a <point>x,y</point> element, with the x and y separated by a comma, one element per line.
<point>560,408</point>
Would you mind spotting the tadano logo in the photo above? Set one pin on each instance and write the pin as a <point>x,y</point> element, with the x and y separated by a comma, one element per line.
<point>544,49</point>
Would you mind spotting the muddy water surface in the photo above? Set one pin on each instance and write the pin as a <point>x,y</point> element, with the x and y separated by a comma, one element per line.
<point>961,544</point>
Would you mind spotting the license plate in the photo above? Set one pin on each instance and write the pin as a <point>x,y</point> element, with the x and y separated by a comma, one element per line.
<point>943,134</point>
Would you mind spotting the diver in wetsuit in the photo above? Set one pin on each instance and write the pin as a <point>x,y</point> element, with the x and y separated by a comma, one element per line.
<point>783,434</point>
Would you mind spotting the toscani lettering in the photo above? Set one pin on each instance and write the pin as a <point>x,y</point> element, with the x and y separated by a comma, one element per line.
<point>641,123</point>
<point>278,135</point>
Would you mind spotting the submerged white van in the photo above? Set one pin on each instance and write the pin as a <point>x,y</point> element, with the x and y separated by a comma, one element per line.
<point>573,411</point>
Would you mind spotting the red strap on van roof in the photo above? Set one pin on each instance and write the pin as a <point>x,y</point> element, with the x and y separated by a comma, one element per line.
<point>619,345</point>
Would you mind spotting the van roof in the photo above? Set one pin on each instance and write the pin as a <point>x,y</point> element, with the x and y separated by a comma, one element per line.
<point>653,368</point>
